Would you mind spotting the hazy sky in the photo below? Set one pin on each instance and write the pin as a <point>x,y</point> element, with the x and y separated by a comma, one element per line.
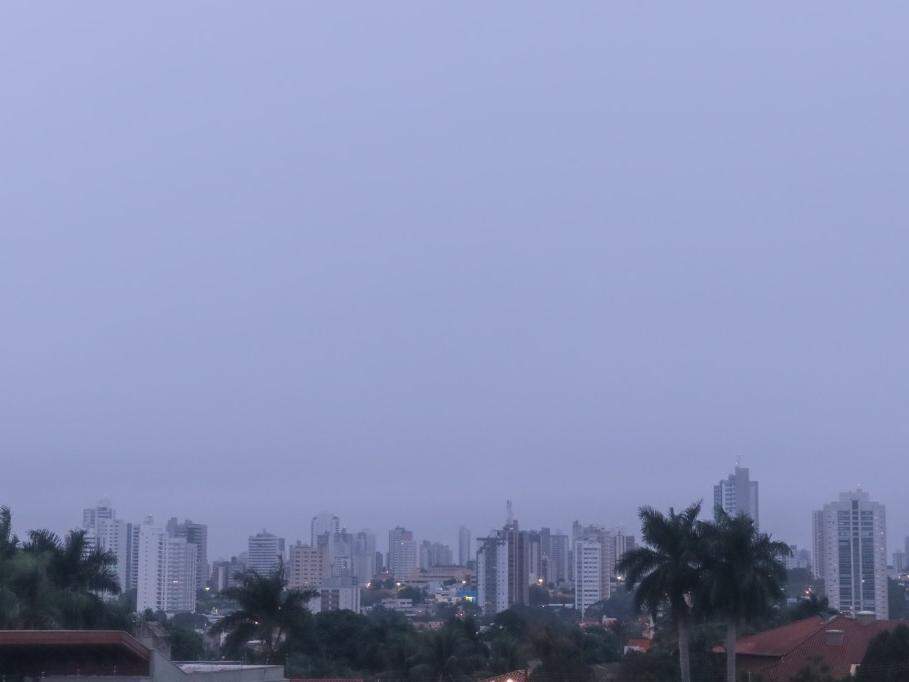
<point>402,261</point>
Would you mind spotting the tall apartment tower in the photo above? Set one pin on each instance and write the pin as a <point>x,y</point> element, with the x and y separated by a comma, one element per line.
<point>265,552</point>
<point>492,574</point>
<point>850,543</point>
<point>196,534</point>
<point>559,558</point>
<point>737,494</point>
<point>304,567</point>
<point>364,556</point>
<point>322,523</point>
<point>106,532</point>
<point>402,552</point>
<point>166,572</point>
<point>463,546</point>
<point>588,578</point>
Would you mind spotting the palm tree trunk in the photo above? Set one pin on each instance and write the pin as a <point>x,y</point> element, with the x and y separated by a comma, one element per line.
<point>730,650</point>
<point>684,650</point>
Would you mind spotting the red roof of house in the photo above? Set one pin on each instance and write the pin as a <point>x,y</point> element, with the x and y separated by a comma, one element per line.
<point>640,644</point>
<point>72,652</point>
<point>797,645</point>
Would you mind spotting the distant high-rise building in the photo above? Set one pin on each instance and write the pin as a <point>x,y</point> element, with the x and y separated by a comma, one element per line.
<point>197,534</point>
<point>402,552</point>
<point>103,511</point>
<point>166,572</point>
<point>364,556</point>
<point>110,534</point>
<point>850,541</point>
<point>492,574</point>
<point>588,581</point>
<point>323,522</point>
<point>899,562</point>
<point>304,567</point>
<point>434,554</point>
<point>224,573</point>
<point>737,494</point>
<point>464,554</point>
<point>265,552</point>
<point>559,557</point>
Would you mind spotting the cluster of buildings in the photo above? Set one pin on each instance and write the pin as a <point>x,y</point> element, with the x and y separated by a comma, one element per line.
<point>168,564</point>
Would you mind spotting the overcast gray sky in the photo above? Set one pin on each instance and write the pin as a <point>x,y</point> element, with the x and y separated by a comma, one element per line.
<point>404,260</point>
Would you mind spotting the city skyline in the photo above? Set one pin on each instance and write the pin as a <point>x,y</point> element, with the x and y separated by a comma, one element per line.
<point>299,266</point>
<point>897,532</point>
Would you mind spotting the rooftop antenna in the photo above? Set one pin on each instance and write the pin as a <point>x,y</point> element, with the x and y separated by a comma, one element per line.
<point>509,513</point>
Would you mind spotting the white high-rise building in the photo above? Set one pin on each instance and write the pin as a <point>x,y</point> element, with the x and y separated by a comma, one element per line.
<point>322,523</point>
<point>588,574</point>
<point>492,574</point>
<point>463,546</point>
<point>197,534</point>
<point>106,532</point>
<point>850,553</point>
<point>402,552</point>
<point>737,494</point>
<point>265,551</point>
<point>166,571</point>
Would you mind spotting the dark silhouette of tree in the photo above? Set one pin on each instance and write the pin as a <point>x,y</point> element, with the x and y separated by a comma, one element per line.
<point>887,657</point>
<point>742,575</point>
<point>268,613</point>
<point>666,572</point>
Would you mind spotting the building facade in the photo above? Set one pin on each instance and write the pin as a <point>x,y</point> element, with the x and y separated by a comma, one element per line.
<point>196,534</point>
<point>492,574</point>
<point>464,554</point>
<point>402,552</point>
<point>851,553</point>
<point>588,575</point>
<point>737,494</point>
<point>265,552</point>
<point>304,567</point>
<point>166,571</point>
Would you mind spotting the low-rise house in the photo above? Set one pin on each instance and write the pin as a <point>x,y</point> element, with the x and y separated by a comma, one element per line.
<point>838,643</point>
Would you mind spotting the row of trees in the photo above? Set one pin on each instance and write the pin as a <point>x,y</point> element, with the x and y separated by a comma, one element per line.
<point>271,624</point>
<point>51,582</point>
<point>696,570</point>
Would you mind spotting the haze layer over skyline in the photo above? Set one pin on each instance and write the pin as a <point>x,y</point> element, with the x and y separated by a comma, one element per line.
<point>403,262</point>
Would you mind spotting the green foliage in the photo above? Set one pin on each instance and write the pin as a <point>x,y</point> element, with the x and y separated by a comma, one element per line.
<point>267,613</point>
<point>49,582</point>
<point>815,671</point>
<point>887,658</point>
<point>186,644</point>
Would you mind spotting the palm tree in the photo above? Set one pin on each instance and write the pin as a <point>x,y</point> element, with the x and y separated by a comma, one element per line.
<point>666,571</point>
<point>743,574</point>
<point>268,613</point>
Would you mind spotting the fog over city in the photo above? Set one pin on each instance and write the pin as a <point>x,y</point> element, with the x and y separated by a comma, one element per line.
<point>403,263</point>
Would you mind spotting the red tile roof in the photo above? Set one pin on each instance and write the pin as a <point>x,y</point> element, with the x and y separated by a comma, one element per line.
<point>790,648</point>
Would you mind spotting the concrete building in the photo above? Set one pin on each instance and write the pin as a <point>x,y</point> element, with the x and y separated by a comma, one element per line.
<point>492,574</point>
<point>104,531</point>
<point>322,523</point>
<point>196,534</point>
<point>435,554</point>
<point>337,594</point>
<point>850,541</point>
<point>588,575</point>
<point>266,551</point>
<point>464,554</point>
<point>559,559</point>
<point>224,573</point>
<point>364,556</point>
<point>737,493</point>
<point>402,552</point>
<point>166,571</point>
<point>304,567</point>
